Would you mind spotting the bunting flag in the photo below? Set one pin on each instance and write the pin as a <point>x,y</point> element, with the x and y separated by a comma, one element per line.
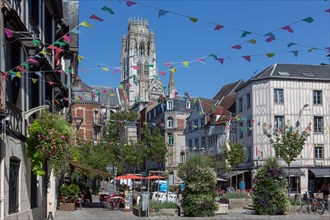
<point>221,60</point>
<point>51,47</point>
<point>85,24</point>
<point>295,53</point>
<point>135,67</point>
<point>193,19</point>
<point>291,44</point>
<point>67,38</point>
<point>328,10</point>
<point>20,69</point>
<point>168,64</point>
<point>130,3</point>
<point>248,58</point>
<point>173,70</point>
<point>8,32</point>
<point>38,73</point>
<point>34,80</point>
<point>245,33</point>
<point>218,27</point>
<point>270,38</point>
<point>186,64</point>
<point>313,48</point>
<point>287,28</point>
<point>60,43</point>
<point>115,71</point>
<point>26,65</point>
<point>162,73</point>
<point>308,20</point>
<point>238,47</point>
<point>18,74</point>
<point>150,65</point>
<point>252,41</point>
<point>80,58</point>
<point>105,68</point>
<point>201,60</point>
<point>36,42</point>
<point>269,55</point>
<point>105,8</point>
<point>214,56</point>
<point>93,16</point>
<point>76,31</point>
<point>51,83</point>
<point>162,13</point>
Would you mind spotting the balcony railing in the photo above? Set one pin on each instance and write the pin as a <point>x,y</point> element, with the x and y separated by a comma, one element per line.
<point>15,122</point>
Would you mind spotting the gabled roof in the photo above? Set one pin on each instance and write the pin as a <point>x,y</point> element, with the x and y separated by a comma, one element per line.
<point>107,95</point>
<point>227,89</point>
<point>209,106</point>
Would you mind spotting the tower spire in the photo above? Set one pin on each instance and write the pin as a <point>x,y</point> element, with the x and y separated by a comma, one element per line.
<point>171,86</point>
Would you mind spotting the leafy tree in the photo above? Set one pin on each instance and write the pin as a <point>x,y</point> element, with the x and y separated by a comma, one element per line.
<point>288,142</point>
<point>269,195</point>
<point>200,182</point>
<point>235,155</point>
<point>133,154</point>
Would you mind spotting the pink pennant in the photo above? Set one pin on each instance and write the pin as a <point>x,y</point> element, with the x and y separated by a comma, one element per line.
<point>162,73</point>
<point>168,64</point>
<point>238,47</point>
<point>128,84</point>
<point>104,91</point>
<point>135,67</point>
<point>51,47</point>
<point>328,10</point>
<point>287,28</point>
<point>20,69</point>
<point>60,71</point>
<point>31,60</point>
<point>51,83</point>
<point>328,48</point>
<point>248,58</point>
<point>269,39</point>
<point>218,27</point>
<point>67,38</point>
<point>96,18</point>
<point>115,71</point>
<point>220,60</point>
<point>8,32</point>
<point>130,3</point>
<point>201,60</point>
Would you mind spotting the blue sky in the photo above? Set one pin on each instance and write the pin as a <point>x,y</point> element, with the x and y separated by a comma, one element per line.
<point>178,39</point>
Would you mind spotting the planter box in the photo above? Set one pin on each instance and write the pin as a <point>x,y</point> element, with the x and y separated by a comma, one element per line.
<point>222,208</point>
<point>238,203</point>
<point>155,212</point>
<point>67,206</point>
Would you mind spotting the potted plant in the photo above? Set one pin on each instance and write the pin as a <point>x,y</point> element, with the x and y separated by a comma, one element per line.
<point>68,196</point>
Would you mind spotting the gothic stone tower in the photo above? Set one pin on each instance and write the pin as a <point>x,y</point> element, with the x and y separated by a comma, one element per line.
<point>139,75</point>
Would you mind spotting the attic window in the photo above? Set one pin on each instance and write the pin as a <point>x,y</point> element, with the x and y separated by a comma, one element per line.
<point>307,74</point>
<point>283,73</point>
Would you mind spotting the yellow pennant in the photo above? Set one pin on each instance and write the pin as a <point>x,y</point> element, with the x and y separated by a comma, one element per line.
<point>80,58</point>
<point>186,64</point>
<point>34,80</point>
<point>105,68</point>
<point>18,74</point>
<point>84,23</point>
<point>43,52</point>
<point>173,70</point>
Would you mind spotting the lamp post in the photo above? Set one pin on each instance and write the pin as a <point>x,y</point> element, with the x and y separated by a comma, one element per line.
<point>299,117</point>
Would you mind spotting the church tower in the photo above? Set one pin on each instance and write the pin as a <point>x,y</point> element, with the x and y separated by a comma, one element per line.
<point>139,75</point>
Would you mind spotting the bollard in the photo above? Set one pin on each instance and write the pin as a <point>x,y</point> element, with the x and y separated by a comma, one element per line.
<point>50,216</point>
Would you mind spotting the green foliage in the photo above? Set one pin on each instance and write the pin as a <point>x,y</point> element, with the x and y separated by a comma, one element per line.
<point>156,149</point>
<point>288,142</point>
<point>159,205</point>
<point>236,154</point>
<point>50,140</point>
<point>269,195</point>
<point>69,193</point>
<point>200,182</point>
<point>235,195</point>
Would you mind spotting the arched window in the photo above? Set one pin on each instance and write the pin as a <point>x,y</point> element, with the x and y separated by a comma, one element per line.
<point>139,70</point>
<point>170,122</point>
<point>13,184</point>
<point>142,49</point>
<point>170,139</point>
<point>146,71</point>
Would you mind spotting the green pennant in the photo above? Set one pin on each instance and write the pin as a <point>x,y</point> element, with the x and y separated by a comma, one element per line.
<point>36,42</point>
<point>150,65</point>
<point>60,43</point>
<point>308,20</point>
<point>245,33</point>
<point>105,8</point>
<point>26,65</point>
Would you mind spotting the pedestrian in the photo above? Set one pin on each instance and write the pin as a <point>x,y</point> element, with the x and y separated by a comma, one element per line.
<point>88,194</point>
<point>325,190</point>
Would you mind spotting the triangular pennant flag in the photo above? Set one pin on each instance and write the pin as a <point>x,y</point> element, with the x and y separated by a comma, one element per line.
<point>12,72</point>
<point>245,33</point>
<point>115,71</point>
<point>221,60</point>
<point>218,27</point>
<point>105,68</point>
<point>193,19</point>
<point>67,38</point>
<point>162,12</point>
<point>173,70</point>
<point>186,63</point>
<point>162,73</point>
<point>80,58</point>
<point>32,60</point>
<point>295,53</point>
<point>130,3</point>
<point>150,65</point>
<point>36,42</point>
<point>34,80</point>
<point>248,58</point>
<point>270,55</point>
<point>128,84</point>
<point>287,28</point>
<point>308,20</point>
<point>201,60</point>
<point>51,83</point>
<point>135,67</point>
<point>270,38</point>
<point>51,47</point>
<point>291,44</point>
<point>60,43</point>
<point>26,65</point>
<point>8,32</point>
<point>38,73</point>
<point>18,74</point>
<point>20,69</point>
<point>214,56</point>
<point>121,86</point>
<point>328,10</point>
<point>95,18</point>
<point>313,48</point>
<point>104,91</point>
<point>252,41</point>
<point>238,47</point>
<point>84,23</point>
<point>43,52</point>
<point>168,64</point>
<point>76,31</point>
<point>105,8</point>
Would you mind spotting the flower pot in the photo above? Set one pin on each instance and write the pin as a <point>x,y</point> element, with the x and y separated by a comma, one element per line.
<point>67,206</point>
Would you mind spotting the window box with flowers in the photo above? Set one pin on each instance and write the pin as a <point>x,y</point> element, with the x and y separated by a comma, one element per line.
<point>49,144</point>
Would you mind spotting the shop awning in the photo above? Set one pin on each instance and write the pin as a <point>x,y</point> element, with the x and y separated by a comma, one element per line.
<point>90,170</point>
<point>293,172</point>
<point>320,172</point>
<point>234,173</point>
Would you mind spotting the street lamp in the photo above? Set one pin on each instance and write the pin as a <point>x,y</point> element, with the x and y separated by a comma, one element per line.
<point>79,120</point>
<point>300,111</point>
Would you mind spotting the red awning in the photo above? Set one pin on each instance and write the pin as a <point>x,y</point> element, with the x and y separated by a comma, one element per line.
<point>128,176</point>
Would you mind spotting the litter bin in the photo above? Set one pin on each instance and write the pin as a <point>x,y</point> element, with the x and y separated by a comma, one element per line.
<point>145,201</point>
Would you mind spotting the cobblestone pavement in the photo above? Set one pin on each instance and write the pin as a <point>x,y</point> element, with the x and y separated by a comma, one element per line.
<point>97,213</point>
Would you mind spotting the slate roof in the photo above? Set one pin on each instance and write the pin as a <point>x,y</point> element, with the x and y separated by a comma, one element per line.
<point>227,89</point>
<point>108,95</point>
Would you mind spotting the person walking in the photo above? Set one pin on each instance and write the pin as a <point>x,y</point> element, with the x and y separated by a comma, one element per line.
<point>325,190</point>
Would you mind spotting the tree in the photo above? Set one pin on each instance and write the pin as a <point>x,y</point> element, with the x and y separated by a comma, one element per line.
<point>235,155</point>
<point>200,183</point>
<point>287,142</point>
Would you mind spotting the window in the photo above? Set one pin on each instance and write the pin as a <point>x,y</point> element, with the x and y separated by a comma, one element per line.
<point>95,117</point>
<point>241,129</point>
<point>249,128</point>
<point>278,96</point>
<point>190,144</point>
<point>169,104</point>
<point>197,143</point>
<point>189,126</point>
<point>318,124</point>
<point>248,100</point>
<point>203,142</point>
<point>202,122</point>
<point>13,184</point>
<point>240,105</point>
<point>188,104</point>
<point>318,151</point>
<point>34,11</point>
<point>278,123</point>
<point>212,140</point>
<point>170,139</point>
<point>195,124</point>
<point>317,97</point>
<point>170,123</point>
<point>146,71</point>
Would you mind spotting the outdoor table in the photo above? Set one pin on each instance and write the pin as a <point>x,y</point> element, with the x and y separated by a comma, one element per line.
<point>116,201</point>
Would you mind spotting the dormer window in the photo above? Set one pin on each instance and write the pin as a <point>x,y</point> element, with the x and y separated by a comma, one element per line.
<point>170,122</point>
<point>169,104</point>
<point>188,104</point>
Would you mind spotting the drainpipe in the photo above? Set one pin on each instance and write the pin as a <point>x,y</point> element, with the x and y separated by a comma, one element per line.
<point>2,171</point>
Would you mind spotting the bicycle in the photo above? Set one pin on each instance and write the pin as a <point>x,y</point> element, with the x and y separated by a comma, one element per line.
<point>314,205</point>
